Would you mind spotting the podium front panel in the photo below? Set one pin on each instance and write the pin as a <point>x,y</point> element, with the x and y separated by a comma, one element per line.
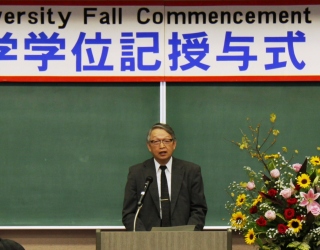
<point>198,240</point>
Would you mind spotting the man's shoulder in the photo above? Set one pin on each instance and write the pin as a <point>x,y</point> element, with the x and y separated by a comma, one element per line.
<point>147,162</point>
<point>188,164</point>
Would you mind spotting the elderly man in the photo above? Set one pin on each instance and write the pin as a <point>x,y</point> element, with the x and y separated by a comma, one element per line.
<point>175,197</point>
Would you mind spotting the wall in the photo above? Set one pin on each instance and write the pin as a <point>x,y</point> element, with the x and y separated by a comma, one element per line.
<point>83,239</point>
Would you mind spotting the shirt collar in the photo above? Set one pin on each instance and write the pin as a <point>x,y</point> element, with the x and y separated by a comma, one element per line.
<point>169,164</point>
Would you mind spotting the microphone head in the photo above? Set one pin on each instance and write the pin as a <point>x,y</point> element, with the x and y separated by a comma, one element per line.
<point>149,179</point>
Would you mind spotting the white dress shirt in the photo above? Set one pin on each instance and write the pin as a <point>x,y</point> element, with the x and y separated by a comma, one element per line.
<point>168,172</point>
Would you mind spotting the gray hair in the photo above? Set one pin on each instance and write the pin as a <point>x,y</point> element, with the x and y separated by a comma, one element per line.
<point>163,126</point>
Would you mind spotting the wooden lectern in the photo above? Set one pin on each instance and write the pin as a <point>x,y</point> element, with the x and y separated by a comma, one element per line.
<point>164,240</point>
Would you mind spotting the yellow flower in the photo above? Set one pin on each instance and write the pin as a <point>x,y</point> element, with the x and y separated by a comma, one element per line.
<point>275,132</point>
<point>271,156</point>
<point>254,155</point>
<point>244,144</point>
<point>315,161</point>
<point>318,148</point>
<point>241,199</point>
<point>295,225</point>
<point>296,151</point>
<point>304,181</point>
<point>250,237</point>
<point>266,157</point>
<point>238,220</point>
<point>284,149</point>
<point>273,117</point>
<point>257,200</point>
<point>243,184</point>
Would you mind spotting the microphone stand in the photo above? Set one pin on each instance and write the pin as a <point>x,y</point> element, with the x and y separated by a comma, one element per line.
<point>140,204</point>
<point>136,216</point>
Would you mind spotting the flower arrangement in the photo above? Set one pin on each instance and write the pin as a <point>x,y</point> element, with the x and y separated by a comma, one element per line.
<point>277,207</point>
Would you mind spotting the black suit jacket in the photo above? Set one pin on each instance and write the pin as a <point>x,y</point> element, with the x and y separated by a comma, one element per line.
<point>188,203</point>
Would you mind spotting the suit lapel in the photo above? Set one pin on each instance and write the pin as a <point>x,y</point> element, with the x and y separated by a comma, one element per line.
<point>176,181</point>
<point>153,188</point>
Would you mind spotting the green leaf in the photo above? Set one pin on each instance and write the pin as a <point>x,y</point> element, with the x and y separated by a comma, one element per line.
<point>307,238</point>
<point>294,244</point>
<point>275,247</point>
<point>281,216</point>
<point>299,246</point>
<point>303,168</point>
<point>271,198</point>
<point>266,248</point>
<point>310,219</point>
<point>315,181</point>
<point>259,242</point>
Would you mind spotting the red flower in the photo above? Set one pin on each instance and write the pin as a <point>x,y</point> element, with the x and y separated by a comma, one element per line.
<point>292,201</point>
<point>297,187</point>
<point>262,222</point>
<point>289,213</point>
<point>299,217</point>
<point>253,210</point>
<point>272,192</point>
<point>282,228</point>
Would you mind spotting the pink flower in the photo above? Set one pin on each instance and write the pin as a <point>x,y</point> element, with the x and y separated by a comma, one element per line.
<point>286,193</point>
<point>310,202</point>
<point>315,209</point>
<point>250,185</point>
<point>296,167</point>
<point>275,173</point>
<point>270,215</point>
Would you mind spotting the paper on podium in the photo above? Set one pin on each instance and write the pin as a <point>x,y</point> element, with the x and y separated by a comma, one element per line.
<point>176,228</point>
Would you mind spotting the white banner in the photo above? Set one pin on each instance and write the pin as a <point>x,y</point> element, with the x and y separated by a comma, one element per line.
<point>169,42</point>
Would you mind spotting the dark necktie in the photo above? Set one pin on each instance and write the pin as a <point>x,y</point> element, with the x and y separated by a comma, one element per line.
<point>165,200</point>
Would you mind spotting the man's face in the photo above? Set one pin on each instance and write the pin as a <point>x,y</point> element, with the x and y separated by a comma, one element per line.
<point>164,150</point>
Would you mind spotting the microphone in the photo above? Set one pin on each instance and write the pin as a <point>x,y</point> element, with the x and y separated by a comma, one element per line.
<point>149,180</point>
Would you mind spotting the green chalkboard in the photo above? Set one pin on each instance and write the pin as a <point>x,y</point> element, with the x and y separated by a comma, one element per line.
<point>65,150</point>
<point>205,116</point>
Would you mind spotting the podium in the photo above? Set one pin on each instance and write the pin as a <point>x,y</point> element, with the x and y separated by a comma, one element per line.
<point>159,240</point>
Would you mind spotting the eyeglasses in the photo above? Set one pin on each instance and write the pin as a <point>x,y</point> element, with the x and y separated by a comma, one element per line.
<point>158,142</point>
